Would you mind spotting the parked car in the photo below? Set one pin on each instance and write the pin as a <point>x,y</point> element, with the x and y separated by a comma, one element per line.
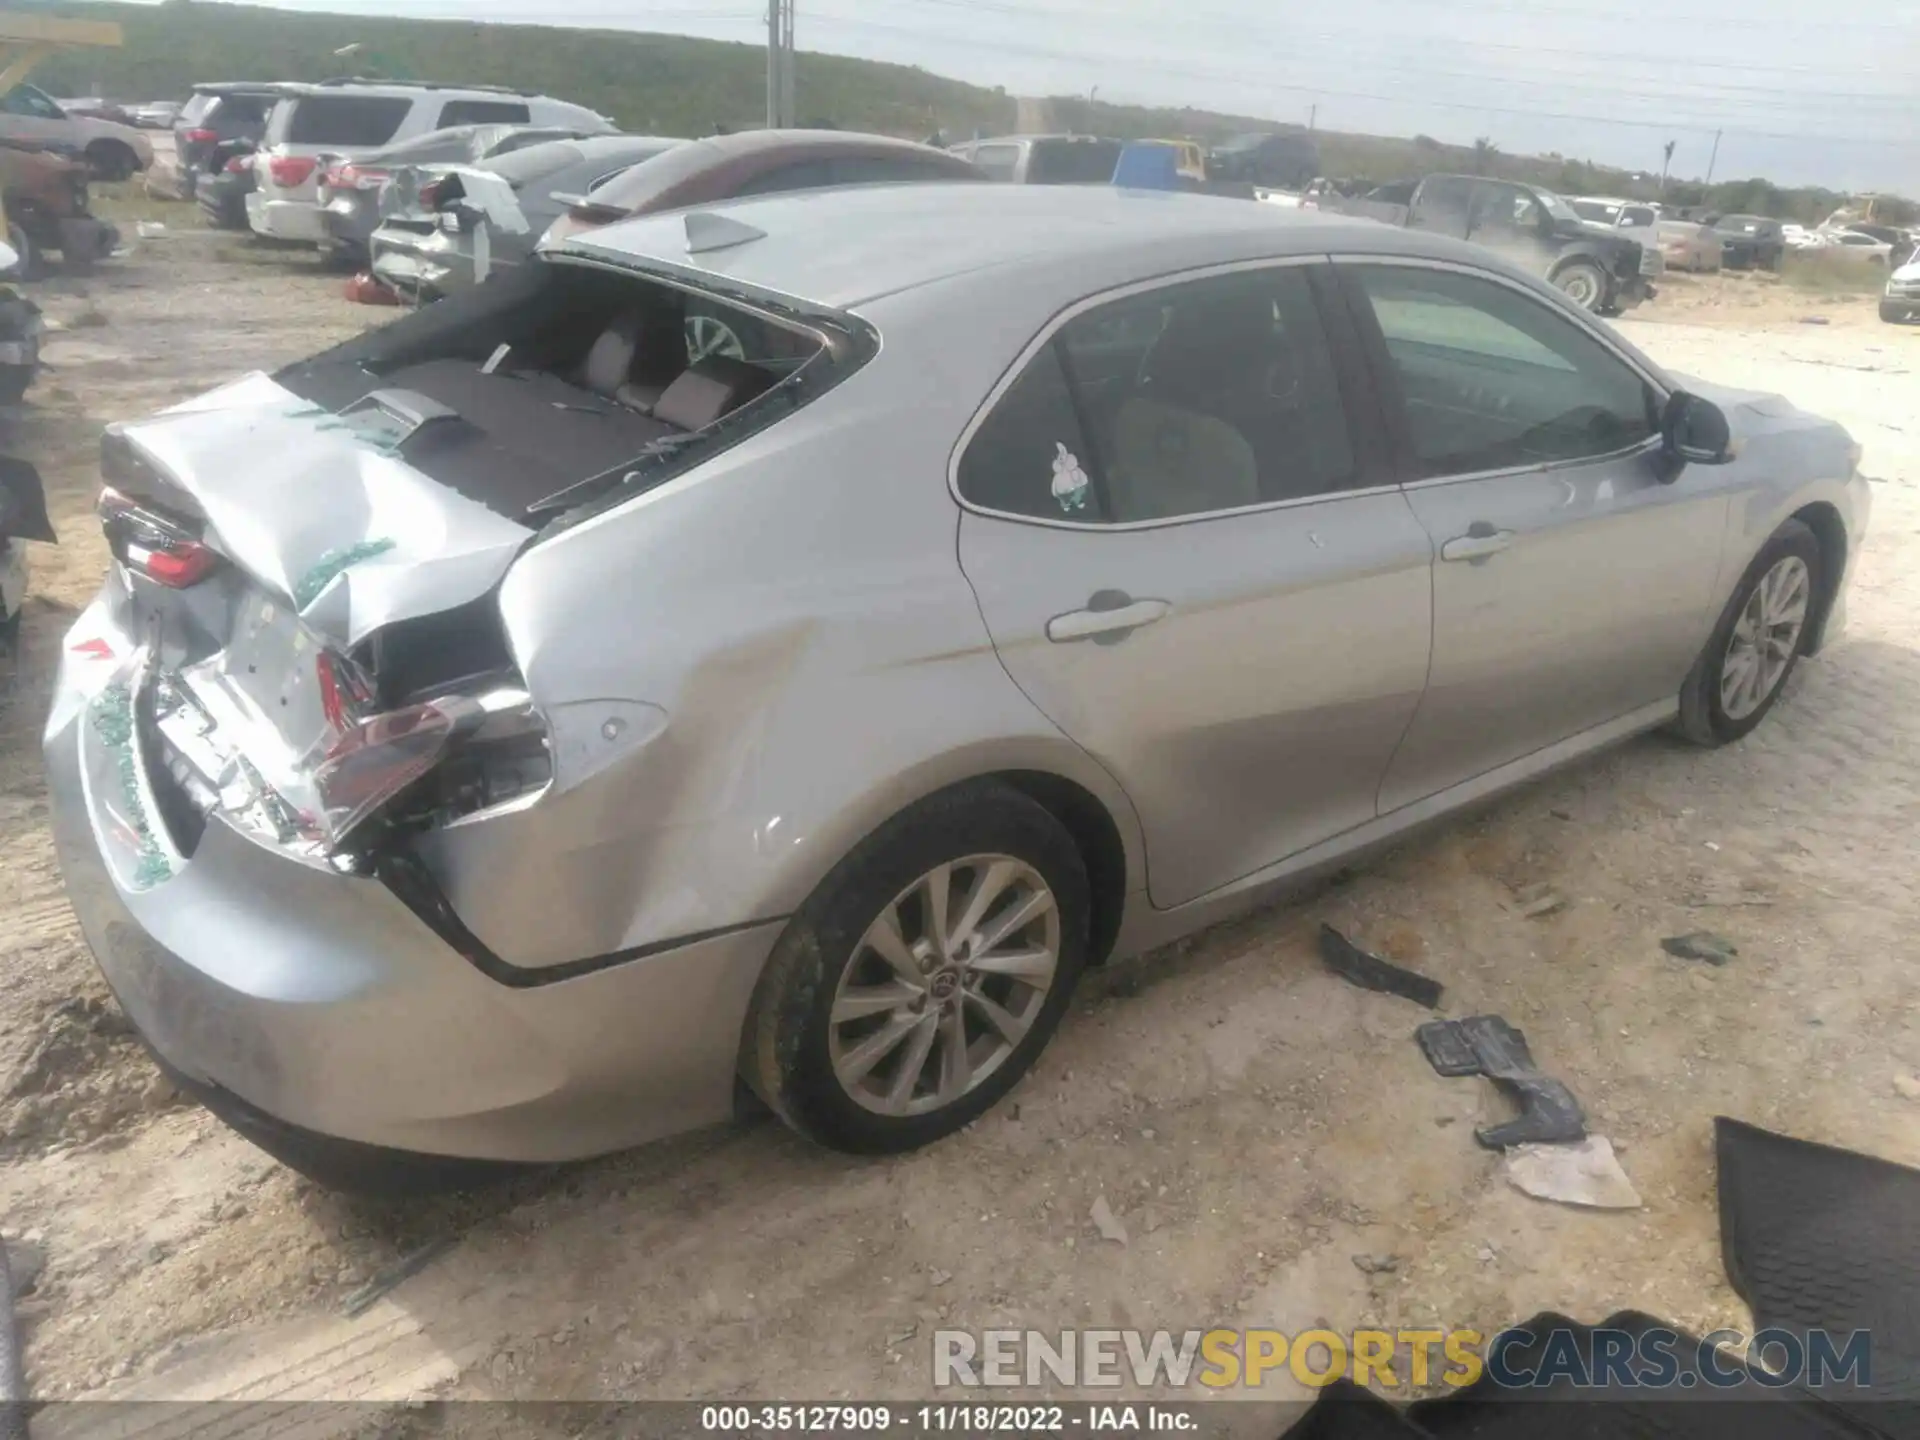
<point>1799,237</point>
<point>1190,161</point>
<point>20,328</point>
<point>345,119</point>
<point>23,521</point>
<point>1273,159</point>
<point>453,228</point>
<point>502,732</point>
<point>48,208</point>
<point>1901,303</point>
<point>419,254</point>
<point>1616,214</point>
<point>29,115</point>
<point>1598,267</point>
<point>1858,245</point>
<point>216,116</point>
<point>760,162</point>
<point>1044,159</point>
<point>225,182</point>
<point>1687,246</point>
<point>1750,242</point>
<point>157,114</point>
<point>350,189</point>
<point>96,108</point>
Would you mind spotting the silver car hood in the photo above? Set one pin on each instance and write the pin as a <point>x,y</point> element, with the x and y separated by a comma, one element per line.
<point>321,515</point>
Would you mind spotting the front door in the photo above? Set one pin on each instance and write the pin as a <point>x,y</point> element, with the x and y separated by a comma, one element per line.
<point>1570,586</point>
<point>1189,558</point>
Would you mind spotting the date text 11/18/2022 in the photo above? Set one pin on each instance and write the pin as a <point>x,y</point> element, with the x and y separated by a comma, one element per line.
<point>957,1418</point>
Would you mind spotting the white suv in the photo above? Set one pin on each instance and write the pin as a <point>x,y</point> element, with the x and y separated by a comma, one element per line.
<point>347,118</point>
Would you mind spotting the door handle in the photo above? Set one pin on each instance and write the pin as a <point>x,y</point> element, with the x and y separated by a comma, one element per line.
<point>1480,541</point>
<point>1109,615</point>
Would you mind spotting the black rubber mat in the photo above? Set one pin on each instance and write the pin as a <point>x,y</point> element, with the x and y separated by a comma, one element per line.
<point>1580,1397</point>
<point>1816,1238</point>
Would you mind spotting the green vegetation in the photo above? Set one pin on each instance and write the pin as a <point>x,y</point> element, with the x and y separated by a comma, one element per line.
<point>676,85</point>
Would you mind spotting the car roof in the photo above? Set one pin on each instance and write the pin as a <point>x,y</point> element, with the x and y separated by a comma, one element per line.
<point>843,247</point>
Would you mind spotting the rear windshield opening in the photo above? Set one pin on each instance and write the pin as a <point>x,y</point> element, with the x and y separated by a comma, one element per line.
<point>339,119</point>
<point>558,376</point>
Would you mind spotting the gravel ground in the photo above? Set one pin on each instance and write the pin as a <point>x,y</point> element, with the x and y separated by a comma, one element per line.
<point>1253,1123</point>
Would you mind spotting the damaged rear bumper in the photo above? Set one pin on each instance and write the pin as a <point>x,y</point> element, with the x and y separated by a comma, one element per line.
<point>310,1006</point>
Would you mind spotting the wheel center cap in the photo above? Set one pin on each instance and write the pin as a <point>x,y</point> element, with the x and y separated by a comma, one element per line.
<point>944,983</point>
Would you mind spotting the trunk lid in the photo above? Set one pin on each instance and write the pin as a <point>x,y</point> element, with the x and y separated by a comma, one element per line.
<point>328,520</point>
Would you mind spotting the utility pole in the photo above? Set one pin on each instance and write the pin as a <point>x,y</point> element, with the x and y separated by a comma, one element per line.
<point>1313,114</point>
<point>1713,157</point>
<point>1666,164</point>
<point>779,64</point>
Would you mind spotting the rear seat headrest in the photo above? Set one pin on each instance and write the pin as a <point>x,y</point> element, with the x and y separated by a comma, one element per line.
<point>709,389</point>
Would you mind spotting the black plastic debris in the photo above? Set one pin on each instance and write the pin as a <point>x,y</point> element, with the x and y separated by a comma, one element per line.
<point>1818,1239</point>
<point>1701,945</point>
<point>1370,972</point>
<point>1487,1045</point>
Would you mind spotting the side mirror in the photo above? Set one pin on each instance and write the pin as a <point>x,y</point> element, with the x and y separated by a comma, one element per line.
<point>1696,430</point>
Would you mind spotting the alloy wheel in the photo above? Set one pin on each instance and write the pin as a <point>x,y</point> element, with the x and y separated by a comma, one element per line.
<point>1765,637</point>
<point>944,985</point>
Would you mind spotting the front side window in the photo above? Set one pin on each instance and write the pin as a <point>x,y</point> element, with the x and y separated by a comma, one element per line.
<point>25,100</point>
<point>1493,379</point>
<point>1195,398</point>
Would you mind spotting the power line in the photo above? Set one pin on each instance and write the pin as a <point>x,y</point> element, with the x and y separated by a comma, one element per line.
<point>1262,82</point>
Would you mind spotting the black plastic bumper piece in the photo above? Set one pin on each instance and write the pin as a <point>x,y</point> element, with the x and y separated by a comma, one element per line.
<point>347,1165</point>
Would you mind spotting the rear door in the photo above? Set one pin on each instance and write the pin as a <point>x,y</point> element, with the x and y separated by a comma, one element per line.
<point>1572,587</point>
<point>1177,519</point>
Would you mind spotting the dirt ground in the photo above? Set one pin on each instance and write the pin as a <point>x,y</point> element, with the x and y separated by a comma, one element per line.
<point>1253,1122</point>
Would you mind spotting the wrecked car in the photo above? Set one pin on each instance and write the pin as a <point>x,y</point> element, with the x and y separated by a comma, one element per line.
<point>23,520</point>
<point>1597,266</point>
<point>1901,302</point>
<point>448,227</point>
<point>350,189</point>
<point>503,733</point>
<point>48,208</point>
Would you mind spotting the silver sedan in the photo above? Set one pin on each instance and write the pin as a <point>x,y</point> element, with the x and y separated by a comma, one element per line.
<point>503,735</point>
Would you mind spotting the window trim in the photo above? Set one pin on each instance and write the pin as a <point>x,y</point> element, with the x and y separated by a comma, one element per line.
<point>1393,405</point>
<point>1064,317</point>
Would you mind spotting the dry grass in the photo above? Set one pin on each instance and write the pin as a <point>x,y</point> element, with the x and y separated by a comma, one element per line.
<point>1826,273</point>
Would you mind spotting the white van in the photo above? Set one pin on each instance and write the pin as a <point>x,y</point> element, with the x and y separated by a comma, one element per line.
<point>348,118</point>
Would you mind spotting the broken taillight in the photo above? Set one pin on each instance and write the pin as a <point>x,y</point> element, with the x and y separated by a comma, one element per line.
<point>201,137</point>
<point>342,692</point>
<point>291,170</point>
<point>429,195</point>
<point>155,545</point>
<point>354,177</point>
<point>375,759</point>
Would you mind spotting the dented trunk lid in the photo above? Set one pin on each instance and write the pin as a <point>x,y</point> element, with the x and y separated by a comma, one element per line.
<point>321,511</point>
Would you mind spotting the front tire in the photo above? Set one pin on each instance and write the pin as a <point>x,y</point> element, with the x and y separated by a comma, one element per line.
<point>1760,637</point>
<point>1582,282</point>
<point>925,975</point>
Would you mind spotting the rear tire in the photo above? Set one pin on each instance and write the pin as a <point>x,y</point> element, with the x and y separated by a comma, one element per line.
<point>857,1050</point>
<point>1759,639</point>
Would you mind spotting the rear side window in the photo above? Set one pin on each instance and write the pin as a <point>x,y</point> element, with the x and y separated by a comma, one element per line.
<point>1073,162</point>
<point>483,112</point>
<point>805,175</point>
<point>191,112</point>
<point>536,162</point>
<point>1196,398</point>
<point>893,169</point>
<point>360,120</point>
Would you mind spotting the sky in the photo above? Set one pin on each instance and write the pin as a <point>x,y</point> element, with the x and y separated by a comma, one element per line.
<point>1800,93</point>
